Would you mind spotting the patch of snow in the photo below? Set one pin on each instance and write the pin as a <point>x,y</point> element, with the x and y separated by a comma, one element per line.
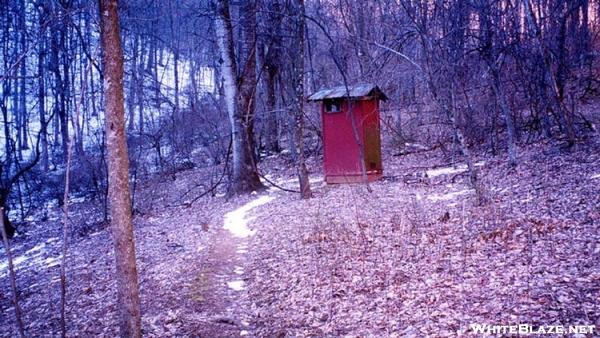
<point>416,146</point>
<point>14,214</point>
<point>595,176</point>
<point>450,170</point>
<point>38,247</point>
<point>243,333</point>
<point>448,196</point>
<point>446,171</point>
<point>32,258</point>
<point>283,182</point>
<point>16,262</point>
<point>236,285</point>
<point>237,222</point>
<point>76,200</point>
<point>52,261</point>
<point>242,248</point>
<point>292,183</point>
<point>51,204</point>
<point>316,181</point>
<point>239,270</point>
<point>526,199</point>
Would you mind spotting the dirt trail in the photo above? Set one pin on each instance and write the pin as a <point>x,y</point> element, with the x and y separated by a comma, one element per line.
<point>214,290</point>
<point>220,285</point>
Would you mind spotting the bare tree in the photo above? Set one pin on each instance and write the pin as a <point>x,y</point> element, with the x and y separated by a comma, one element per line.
<point>270,50</point>
<point>549,74</point>
<point>13,280</point>
<point>444,66</point>
<point>298,99</point>
<point>128,298</point>
<point>42,11</point>
<point>492,44</point>
<point>240,91</point>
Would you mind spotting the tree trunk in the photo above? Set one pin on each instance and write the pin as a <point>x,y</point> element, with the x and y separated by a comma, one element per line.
<point>271,103</point>
<point>12,277</point>
<point>239,100</point>
<point>464,149</point>
<point>23,72</point>
<point>88,38</point>
<point>140,90</point>
<point>510,126</point>
<point>42,92</point>
<point>6,124</point>
<point>118,173</point>
<point>66,85</point>
<point>132,84</point>
<point>16,115</point>
<point>298,100</point>
<point>175,49</point>
<point>584,34</point>
<point>563,117</point>
<point>59,128</point>
<point>271,69</point>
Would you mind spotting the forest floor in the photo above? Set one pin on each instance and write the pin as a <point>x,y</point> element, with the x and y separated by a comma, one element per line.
<point>415,256</point>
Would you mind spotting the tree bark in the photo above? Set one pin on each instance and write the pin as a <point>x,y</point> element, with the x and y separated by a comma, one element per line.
<point>271,71</point>
<point>492,45</point>
<point>271,105</point>
<point>88,38</point>
<point>298,100</point>
<point>464,149</point>
<point>139,88</point>
<point>65,90</point>
<point>42,90</point>
<point>23,83</point>
<point>118,173</point>
<point>510,126</point>
<point>239,93</point>
<point>174,20</point>
<point>58,97</point>
<point>563,117</point>
<point>13,279</point>
<point>131,99</point>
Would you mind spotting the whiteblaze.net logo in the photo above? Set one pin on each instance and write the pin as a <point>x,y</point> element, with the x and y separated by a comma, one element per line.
<point>527,329</point>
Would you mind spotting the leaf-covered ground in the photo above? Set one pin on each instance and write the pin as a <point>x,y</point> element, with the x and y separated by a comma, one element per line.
<point>413,257</point>
<point>420,259</point>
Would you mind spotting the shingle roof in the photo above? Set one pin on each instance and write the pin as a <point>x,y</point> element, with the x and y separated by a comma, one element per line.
<point>358,91</point>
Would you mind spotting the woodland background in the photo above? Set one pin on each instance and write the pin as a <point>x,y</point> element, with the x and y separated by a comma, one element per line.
<point>468,73</point>
<point>217,89</point>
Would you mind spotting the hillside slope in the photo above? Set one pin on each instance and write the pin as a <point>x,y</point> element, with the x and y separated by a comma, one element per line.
<point>413,257</point>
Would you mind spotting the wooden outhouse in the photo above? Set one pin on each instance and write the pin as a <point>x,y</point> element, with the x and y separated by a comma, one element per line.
<point>351,130</point>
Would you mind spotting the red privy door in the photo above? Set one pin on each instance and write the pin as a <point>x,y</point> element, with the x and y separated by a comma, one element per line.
<point>341,149</point>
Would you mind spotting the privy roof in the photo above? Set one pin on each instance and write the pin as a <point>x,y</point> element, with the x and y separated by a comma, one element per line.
<point>363,91</point>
